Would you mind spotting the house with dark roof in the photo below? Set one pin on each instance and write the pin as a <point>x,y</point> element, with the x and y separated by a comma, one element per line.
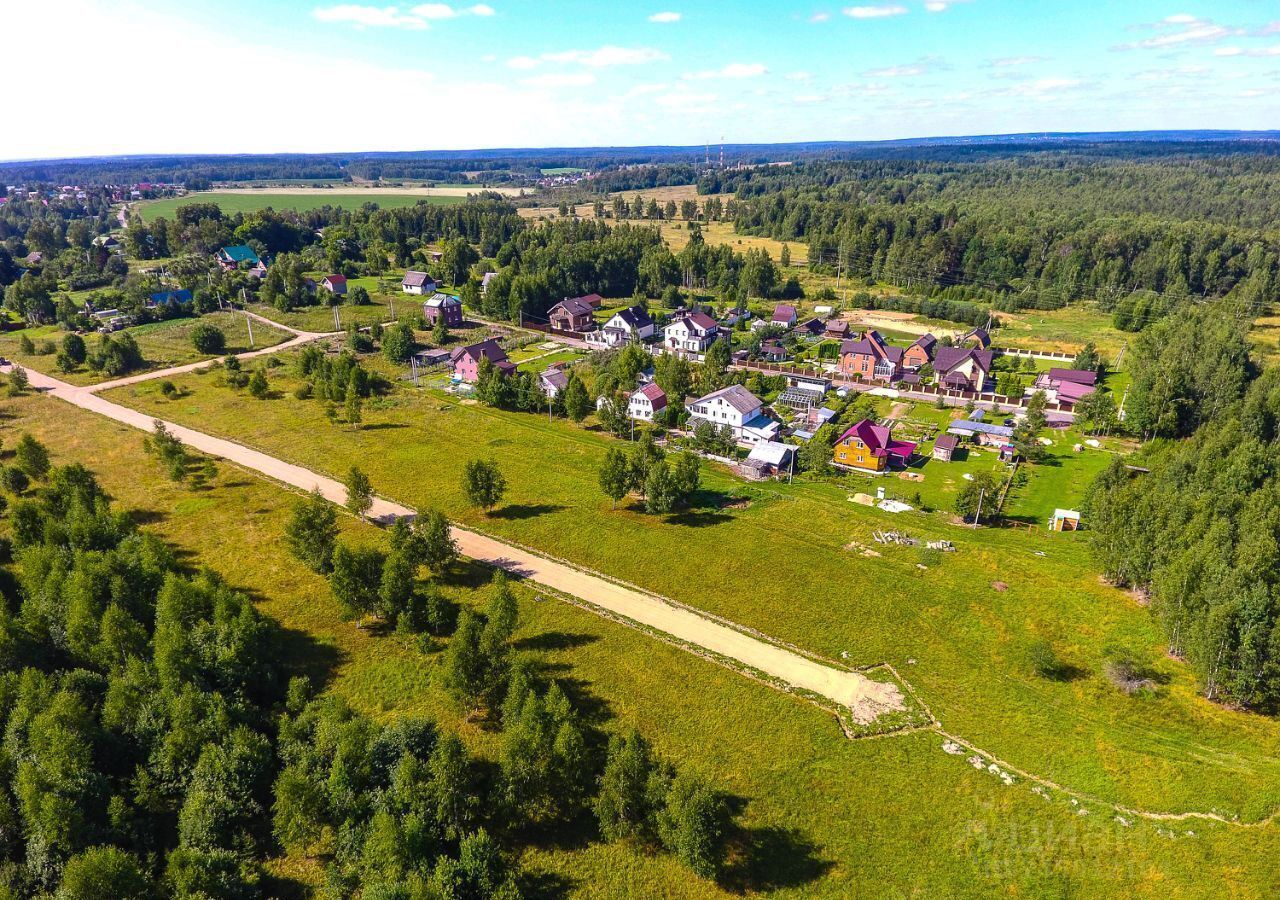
<point>871,358</point>
<point>784,314</point>
<point>646,402</point>
<point>553,379</point>
<point>1069,385</point>
<point>445,306</point>
<point>811,328</point>
<point>236,256</point>
<point>773,351</point>
<point>837,329</point>
<point>466,360</point>
<point>572,314</point>
<point>944,446</point>
<point>418,283</point>
<point>631,325</point>
<point>871,448</point>
<point>737,408</point>
<point>978,339</point>
<point>920,353</point>
<point>334,284</point>
<point>962,368</point>
<point>691,334</point>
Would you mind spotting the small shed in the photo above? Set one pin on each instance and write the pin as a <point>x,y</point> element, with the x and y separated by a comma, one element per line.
<point>768,459</point>
<point>1065,520</point>
<point>944,447</point>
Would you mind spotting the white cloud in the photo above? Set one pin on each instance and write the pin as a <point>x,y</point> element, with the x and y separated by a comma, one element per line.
<point>1179,30</point>
<point>522,62</point>
<point>910,71</point>
<point>732,70</point>
<point>416,18</point>
<point>560,79</point>
<point>874,12</point>
<point>608,55</point>
<point>937,6</point>
<point>819,17</point>
<point>369,16</point>
<point>1254,92</point>
<point>1043,87</point>
<point>665,18</point>
<point>1240,51</point>
<point>1006,62</point>
<point>798,76</point>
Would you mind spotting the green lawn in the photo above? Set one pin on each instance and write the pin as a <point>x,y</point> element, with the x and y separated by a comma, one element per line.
<point>788,560</point>
<point>163,344</point>
<point>822,816</point>
<point>249,203</point>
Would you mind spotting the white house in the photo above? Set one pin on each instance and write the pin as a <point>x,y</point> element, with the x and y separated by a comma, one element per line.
<point>553,380</point>
<point>738,408</point>
<point>690,335</point>
<point>631,325</point>
<point>418,283</point>
<point>646,402</point>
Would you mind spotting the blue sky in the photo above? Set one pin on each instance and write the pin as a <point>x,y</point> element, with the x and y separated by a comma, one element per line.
<point>136,76</point>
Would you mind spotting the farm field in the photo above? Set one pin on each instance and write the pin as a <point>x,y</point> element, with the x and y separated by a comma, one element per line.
<point>300,199</point>
<point>163,344</point>
<point>821,816</point>
<point>959,639</point>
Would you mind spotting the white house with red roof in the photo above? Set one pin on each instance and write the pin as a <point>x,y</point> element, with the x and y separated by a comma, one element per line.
<point>784,314</point>
<point>646,402</point>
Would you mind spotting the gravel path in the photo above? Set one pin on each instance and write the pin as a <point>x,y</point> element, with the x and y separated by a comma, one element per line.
<point>866,699</point>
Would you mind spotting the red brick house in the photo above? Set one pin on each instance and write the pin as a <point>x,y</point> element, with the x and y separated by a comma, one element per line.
<point>572,314</point>
<point>920,353</point>
<point>871,358</point>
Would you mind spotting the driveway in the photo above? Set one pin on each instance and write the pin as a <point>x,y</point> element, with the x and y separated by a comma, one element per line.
<point>865,699</point>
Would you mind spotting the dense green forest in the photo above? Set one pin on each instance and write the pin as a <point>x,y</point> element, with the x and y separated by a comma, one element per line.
<point>1037,230</point>
<point>1194,521</point>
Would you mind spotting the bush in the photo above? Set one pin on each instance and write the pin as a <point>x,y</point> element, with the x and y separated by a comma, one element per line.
<point>208,338</point>
<point>169,390</point>
<point>1044,661</point>
<point>1126,670</point>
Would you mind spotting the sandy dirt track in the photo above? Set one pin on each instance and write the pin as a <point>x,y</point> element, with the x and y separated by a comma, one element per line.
<point>865,699</point>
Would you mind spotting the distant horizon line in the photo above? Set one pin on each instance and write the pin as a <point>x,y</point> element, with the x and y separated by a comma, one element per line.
<point>1170,134</point>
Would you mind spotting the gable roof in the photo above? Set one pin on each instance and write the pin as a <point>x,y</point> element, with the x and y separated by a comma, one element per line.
<point>240,253</point>
<point>874,345</point>
<point>416,279</point>
<point>555,376</point>
<point>878,440</point>
<point>784,312</point>
<point>949,358</point>
<point>574,306</point>
<point>489,349</point>
<point>980,335</point>
<point>179,296</point>
<point>968,426</point>
<point>701,319</point>
<point>736,396</point>
<point>771,453</point>
<point>1073,391</point>
<point>634,317</point>
<point>592,300</point>
<point>1075,376</point>
<point>946,442</point>
<point>336,279</point>
<point>836,326</point>
<point>654,394</point>
<point>813,326</point>
<point>925,342</point>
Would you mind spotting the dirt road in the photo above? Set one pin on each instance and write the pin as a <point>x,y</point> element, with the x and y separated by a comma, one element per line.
<point>865,699</point>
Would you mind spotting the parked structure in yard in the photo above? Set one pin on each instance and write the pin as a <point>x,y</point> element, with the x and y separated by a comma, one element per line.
<point>984,433</point>
<point>738,408</point>
<point>466,360</point>
<point>944,447</point>
<point>871,358</point>
<point>236,256</point>
<point>962,368</point>
<point>871,448</point>
<point>553,379</point>
<point>418,283</point>
<point>572,314</point>
<point>335,284</point>
<point>767,459</point>
<point>920,353</point>
<point>646,402</point>
<point>691,335</point>
<point>784,314</point>
<point>631,325</point>
<point>445,306</point>
<point>1064,520</point>
<point>1065,384</point>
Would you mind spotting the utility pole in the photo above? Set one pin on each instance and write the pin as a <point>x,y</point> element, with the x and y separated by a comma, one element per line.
<point>978,514</point>
<point>337,321</point>
<point>248,321</point>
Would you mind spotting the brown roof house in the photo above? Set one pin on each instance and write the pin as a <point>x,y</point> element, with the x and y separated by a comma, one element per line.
<point>871,358</point>
<point>944,447</point>
<point>919,353</point>
<point>418,283</point>
<point>962,368</point>
<point>784,314</point>
<point>466,360</point>
<point>572,314</point>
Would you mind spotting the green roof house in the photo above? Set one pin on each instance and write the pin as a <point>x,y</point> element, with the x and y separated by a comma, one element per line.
<point>234,257</point>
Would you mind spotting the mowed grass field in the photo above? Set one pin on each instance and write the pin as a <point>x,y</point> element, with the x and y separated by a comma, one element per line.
<point>791,561</point>
<point>163,344</point>
<point>821,816</point>
<point>231,203</point>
